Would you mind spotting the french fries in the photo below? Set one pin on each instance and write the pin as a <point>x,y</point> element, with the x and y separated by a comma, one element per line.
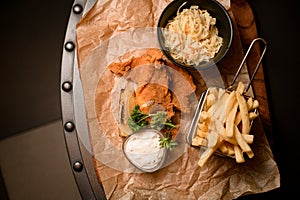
<point>225,123</point>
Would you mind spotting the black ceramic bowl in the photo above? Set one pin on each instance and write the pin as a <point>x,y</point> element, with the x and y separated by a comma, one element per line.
<point>216,10</point>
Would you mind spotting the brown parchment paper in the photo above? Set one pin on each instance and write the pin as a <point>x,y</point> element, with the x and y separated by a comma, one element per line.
<point>115,30</point>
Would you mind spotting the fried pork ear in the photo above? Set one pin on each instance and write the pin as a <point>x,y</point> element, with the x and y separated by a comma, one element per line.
<point>181,85</point>
<point>120,68</point>
<point>159,81</point>
<point>141,75</point>
<point>158,95</point>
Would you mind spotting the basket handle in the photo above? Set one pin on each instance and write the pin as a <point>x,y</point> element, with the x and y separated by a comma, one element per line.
<point>244,59</point>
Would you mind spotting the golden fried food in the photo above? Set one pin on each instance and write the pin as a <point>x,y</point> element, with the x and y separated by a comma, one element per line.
<point>225,123</point>
<point>160,85</point>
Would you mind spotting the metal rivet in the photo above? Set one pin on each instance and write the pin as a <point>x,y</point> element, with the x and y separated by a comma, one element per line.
<point>67,86</point>
<point>77,166</point>
<point>69,46</point>
<point>69,126</point>
<point>77,9</point>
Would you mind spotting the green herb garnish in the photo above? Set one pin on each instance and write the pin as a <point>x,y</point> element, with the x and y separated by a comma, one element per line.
<point>167,142</point>
<point>158,121</point>
<point>137,119</point>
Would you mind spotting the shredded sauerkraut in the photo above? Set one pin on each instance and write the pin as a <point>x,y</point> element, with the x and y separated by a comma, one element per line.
<point>192,37</point>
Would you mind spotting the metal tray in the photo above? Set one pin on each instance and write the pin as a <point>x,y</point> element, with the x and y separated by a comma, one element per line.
<point>73,110</point>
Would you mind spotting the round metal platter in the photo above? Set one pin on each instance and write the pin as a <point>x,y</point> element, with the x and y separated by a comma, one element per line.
<point>74,113</point>
<point>73,110</point>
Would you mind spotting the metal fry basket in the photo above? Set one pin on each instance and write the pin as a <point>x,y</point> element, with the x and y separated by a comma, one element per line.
<point>192,132</point>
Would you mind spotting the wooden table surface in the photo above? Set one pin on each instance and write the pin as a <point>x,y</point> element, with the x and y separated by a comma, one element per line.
<point>246,24</point>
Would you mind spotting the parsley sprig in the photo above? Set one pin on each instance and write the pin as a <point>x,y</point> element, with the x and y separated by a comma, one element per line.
<point>137,119</point>
<point>158,121</point>
<point>167,142</point>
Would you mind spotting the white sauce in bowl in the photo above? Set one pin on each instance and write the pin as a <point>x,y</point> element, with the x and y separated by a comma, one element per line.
<point>142,149</point>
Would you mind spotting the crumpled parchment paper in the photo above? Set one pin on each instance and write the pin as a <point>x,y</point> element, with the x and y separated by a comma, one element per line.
<point>106,34</point>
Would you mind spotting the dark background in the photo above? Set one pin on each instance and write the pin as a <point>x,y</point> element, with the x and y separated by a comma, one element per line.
<point>277,23</point>
<point>32,36</point>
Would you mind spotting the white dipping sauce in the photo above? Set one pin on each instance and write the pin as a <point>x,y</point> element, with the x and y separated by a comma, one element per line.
<point>143,149</point>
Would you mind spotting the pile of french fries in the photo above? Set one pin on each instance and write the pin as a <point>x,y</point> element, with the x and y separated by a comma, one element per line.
<point>225,123</point>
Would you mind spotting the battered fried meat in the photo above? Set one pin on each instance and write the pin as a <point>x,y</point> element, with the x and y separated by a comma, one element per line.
<point>161,84</point>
